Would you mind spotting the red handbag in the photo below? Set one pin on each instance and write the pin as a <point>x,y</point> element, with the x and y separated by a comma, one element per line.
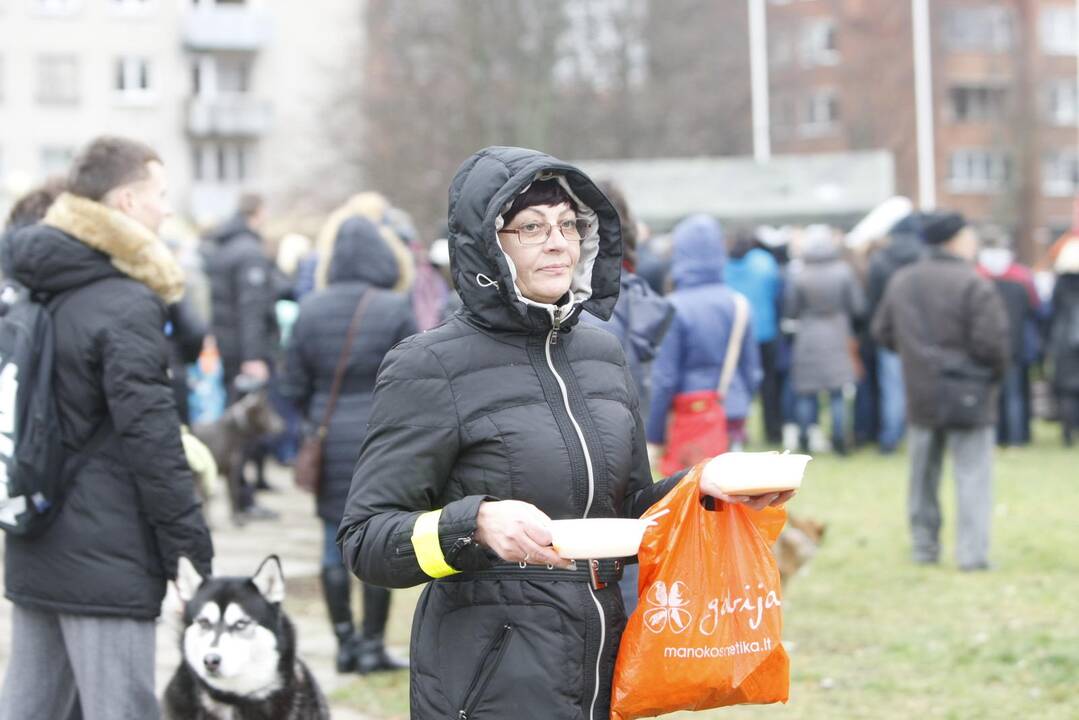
<point>697,428</point>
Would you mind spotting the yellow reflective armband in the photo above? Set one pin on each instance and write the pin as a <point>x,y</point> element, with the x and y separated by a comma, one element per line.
<point>428,549</point>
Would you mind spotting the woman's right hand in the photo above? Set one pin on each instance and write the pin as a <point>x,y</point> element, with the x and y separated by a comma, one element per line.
<point>518,532</point>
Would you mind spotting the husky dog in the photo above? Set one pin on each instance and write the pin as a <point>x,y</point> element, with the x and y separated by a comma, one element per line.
<point>239,651</point>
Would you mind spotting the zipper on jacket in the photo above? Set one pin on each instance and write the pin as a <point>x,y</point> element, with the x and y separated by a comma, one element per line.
<point>591,491</point>
<point>573,420</point>
<point>556,324</point>
<point>481,679</point>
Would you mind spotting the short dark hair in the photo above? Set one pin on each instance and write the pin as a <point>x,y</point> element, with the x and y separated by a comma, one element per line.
<point>107,163</point>
<point>249,205</point>
<point>31,207</point>
<point>541,192</point>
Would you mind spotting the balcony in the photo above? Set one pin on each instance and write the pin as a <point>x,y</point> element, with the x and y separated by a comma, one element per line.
<point>235,28</point>
<point>228,116</point>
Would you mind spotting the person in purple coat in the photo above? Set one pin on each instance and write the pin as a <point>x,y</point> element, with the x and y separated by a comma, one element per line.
<point>690,357</point>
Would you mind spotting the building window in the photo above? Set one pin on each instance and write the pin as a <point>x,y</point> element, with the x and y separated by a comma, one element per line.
<point>820,114</point>
<point>979,29</point>
<point>57,7</point>
<point>131,7</point>
<point>1061,102</point>
<point>56,160</point>
<point>225,163</point>
<point>57,80</point>
<point>819,43</point>
<point>233,75</point>
<point>1059,33</point>
<point>978,171</point>
<point>976,103</point>
<point>1060,173</point>
<point>132,75</point>
<point>132,79</point>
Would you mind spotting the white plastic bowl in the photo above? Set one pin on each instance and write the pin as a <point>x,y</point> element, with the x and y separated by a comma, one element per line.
<point>741,473</point>
<point>595,538</point>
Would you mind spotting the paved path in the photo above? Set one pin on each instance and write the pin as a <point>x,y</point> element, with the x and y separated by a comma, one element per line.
<point>297,539</point>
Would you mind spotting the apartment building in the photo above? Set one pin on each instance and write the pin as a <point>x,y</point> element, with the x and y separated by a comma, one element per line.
<point>228,91</point>
<point>1005,111</point>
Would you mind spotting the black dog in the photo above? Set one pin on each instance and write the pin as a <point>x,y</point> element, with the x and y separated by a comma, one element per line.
<point>229,439</point>
<point>239,652</point>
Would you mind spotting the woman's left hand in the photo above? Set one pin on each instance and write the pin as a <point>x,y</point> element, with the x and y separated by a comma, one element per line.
<point>754,502</point>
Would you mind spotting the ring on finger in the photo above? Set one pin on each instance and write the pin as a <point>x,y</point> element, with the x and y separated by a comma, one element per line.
<point>527,555</point>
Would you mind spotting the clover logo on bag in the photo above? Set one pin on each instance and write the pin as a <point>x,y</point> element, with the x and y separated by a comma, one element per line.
<point>667,607</point>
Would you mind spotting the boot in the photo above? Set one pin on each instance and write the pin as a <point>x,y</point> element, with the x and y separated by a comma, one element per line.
<point>335,588</point>
<point>372,657</point>
<point>818,443</point>
<point>371,654</point>
<point>790,437</point>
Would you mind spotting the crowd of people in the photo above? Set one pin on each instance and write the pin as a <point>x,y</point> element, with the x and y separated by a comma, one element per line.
<point>460,403</point>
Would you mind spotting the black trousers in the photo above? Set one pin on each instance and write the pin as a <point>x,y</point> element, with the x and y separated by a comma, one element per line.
<point>771,393</point>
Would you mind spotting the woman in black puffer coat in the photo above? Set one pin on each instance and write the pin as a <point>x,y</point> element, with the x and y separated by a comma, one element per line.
<point>510,414</point>
<point>1064,340</point>
<point>361,265</point>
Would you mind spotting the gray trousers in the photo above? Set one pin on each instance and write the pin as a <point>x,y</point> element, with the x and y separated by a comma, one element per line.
<point>972,455</point>
<point>60,664</point>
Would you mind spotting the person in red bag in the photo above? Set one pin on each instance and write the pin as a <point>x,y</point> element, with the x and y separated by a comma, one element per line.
<point>689,366</point>
<point>484,429</point>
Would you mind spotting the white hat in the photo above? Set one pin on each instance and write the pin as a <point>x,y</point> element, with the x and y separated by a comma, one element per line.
<point>439,252</point>
<point>1068,259</point>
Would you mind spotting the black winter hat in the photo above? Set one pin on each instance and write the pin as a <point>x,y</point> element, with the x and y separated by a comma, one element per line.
<point>941,228</point>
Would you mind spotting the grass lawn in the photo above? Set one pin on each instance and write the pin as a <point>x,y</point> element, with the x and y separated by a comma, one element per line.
<point>873,636</point>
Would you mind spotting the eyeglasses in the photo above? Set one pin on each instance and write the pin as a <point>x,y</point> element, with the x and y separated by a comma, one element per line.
<point>536,233</point>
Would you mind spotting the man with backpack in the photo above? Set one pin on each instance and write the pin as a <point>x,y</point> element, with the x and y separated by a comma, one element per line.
<point>88,585</point>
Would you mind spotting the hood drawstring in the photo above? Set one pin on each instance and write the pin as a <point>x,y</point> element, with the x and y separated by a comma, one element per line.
<point>485,282</point>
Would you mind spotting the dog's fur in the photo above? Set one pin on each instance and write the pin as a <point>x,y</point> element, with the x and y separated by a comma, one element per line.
<point>239,652</point>
<point>231,435</point>
<point>797,545</point>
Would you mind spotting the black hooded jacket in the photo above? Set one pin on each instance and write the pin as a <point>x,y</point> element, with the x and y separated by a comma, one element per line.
<point>512,401</point>
<point>131,509</point>
<point>903,249</point>
<point>361,263</point>
<point>243,291</point>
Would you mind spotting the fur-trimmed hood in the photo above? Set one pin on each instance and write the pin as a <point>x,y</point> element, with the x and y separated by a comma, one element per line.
<point>130,247</point>
<point>374,207</point>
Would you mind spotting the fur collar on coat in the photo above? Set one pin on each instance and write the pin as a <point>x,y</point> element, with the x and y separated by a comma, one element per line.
<point>133,249</point>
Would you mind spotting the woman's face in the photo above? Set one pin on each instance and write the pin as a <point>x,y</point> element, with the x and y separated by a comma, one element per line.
<point>544,270</point>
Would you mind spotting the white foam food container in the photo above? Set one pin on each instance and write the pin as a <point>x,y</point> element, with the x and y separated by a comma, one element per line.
<point>743,473</point>
<point>595,538</point>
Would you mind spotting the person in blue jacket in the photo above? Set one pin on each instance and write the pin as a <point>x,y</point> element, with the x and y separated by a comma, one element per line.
<point>754,272</point>
<point>690,358</point>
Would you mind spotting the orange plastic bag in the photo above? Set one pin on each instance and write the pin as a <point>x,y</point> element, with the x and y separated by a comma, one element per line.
<point>707,632</point>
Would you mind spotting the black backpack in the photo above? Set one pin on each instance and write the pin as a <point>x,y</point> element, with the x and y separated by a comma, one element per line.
<point>32,453</point>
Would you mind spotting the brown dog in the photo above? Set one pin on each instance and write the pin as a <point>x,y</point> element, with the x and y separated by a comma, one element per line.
<point>230,436</point>
<point>797,545</point>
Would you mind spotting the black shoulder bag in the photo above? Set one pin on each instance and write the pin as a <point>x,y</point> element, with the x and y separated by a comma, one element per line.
<point>963,387</point>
